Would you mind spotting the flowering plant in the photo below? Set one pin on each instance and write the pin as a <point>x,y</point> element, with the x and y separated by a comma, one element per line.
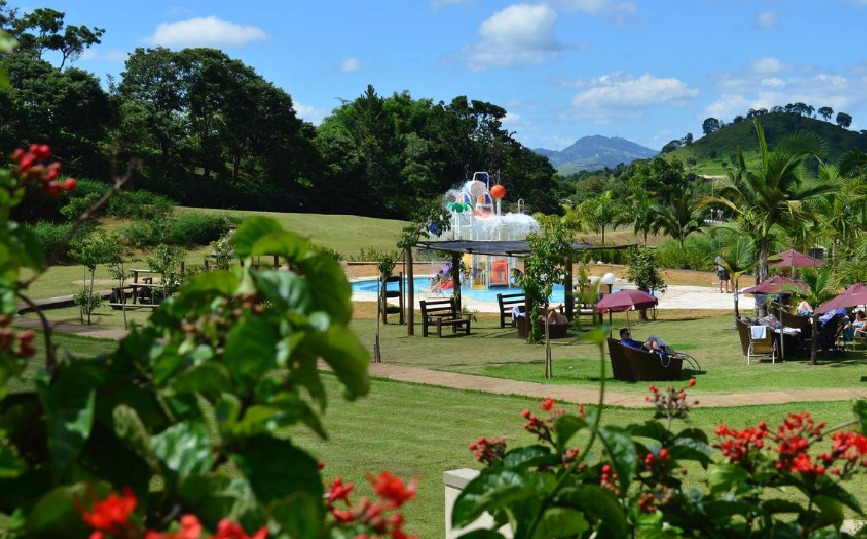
<point>184,426</point>
<point>633,485</point>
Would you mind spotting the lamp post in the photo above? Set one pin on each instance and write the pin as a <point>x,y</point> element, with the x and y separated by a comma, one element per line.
<point>608,279</point>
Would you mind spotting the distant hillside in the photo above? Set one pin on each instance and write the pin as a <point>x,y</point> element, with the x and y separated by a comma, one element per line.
<point>712,154</point>
<point>595,153</point>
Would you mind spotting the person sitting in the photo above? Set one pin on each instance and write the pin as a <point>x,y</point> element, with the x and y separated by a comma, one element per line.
<point>555,318</point>
<point>859,325</point>
<point>627,340</point>
<point>804,309</point>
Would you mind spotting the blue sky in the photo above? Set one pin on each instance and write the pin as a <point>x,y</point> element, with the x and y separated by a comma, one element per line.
<point>646,70</point>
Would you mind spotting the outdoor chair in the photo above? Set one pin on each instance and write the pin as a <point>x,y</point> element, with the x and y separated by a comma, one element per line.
<point>761,344</point>
<point>827,339</point>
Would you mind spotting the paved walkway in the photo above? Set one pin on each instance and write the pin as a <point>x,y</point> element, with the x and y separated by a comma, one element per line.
<point>532,389</point>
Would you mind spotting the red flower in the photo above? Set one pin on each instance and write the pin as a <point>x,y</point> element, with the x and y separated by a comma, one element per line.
<point>392,488</point>
<point>111,514</point>
<point>547,404</point>
<point>227,529</point>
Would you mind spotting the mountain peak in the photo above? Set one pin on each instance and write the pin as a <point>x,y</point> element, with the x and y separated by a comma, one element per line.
<point>595,152</point>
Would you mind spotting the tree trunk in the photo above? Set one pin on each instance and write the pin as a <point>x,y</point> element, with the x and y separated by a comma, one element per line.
<point>549,363</point>
<point>814,338</point>
<point>90,295</point>
<point>410,293</point>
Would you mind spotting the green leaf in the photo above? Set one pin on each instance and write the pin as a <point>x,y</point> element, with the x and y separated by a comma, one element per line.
<point>265,236</point>
<point>298,515</point>
<point>202,288</point>
<point>650,429</point>
<point>494,489</point>
<point>288,291</point>
<point>860,409</point>
<point>531,455</point>
<point>725,477</point>
<point>276,469</point>
<point>831,511</point>
<point>778,506</point>
<point>130,430</point>
<point>249,351</point>
<point>691,449</point>
<point>184,448</point>
<point>329,289</point>
<point>561,522</point>
<point>57,514</point>
<point>215,496</point>
<point>69,411</point>
<point>340,348</point>
<point>209,379</point>
<point>482,534</point>
<point>599,503</point>
<point>725,509</point>
<point>10,465</point>
<point>622,453</point>
<point>833,490</point>
<point>565,427</point>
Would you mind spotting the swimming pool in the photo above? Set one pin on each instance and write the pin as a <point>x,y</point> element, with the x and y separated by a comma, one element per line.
<point>421,286</point>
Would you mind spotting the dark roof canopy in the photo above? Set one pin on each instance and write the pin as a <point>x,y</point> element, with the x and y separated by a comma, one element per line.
<point>518,248</point>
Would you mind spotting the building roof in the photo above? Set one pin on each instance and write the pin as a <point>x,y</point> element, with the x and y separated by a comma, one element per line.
<point>517,248</point>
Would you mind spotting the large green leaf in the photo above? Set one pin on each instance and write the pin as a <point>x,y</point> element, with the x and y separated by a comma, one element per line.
<point>830,489</point>
<point>690,449</point>
<point>209,379</point>
<point>725,477</point>
<point>340,348</point>
<point>250,350</point>
<point>482,534</point>
<point>622,453</point>
<point>215,496</point>
<point>330,290</point>
<point>561,522</point>
<point>277,469</point>
<point>69,411</point>
<point>57,514</point>
<point>831,510</point>
<point>184,448</point>
<point>565,428</point>
<point>265,236</point>
<point>298,515</point>
<point>599,503</point>
<point>531,455</point>
<point>10,464</point>
<point>650,429</point>
<point>131,431</point>
<point>860,409</point>
<point>202,288</point>
<point>288,291</point>
<point>494,489</point>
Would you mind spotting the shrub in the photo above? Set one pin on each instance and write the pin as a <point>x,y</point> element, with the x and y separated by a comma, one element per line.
<point>197,229</point>
<point>325,250</point>
<point>140,204</point>
<point>51,236</point>
<point>698,254</point>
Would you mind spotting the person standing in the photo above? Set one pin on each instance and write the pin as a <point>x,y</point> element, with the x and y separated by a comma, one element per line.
<point>723,275</point>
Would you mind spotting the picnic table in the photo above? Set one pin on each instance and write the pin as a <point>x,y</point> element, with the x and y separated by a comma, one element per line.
<point>142,295</point>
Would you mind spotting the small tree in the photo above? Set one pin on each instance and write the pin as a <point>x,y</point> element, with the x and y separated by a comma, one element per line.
<point>166,261</point>
<point>543,268</point>
<point>96,248</point>
<point>644,273</point>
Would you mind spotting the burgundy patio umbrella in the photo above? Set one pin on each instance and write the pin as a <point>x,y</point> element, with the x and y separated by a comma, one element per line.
<point>777,283</point>
<point>851,297</point>
<point>795,259</point>
<point>626,300</point>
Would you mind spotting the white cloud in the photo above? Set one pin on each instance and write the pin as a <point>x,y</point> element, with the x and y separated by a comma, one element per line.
<point>349,65</point>
<point>773,82</point>
<point>310,114</point>
<point>521,34</point>
<point>205,32</point>
<point>620,96</point>
<point>512,119</point>
<point>766,19</point>
<point>767,66</point>
<point>114,55</point>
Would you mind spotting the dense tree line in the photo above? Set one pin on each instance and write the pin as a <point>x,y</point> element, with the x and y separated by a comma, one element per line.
<point>214,133</point>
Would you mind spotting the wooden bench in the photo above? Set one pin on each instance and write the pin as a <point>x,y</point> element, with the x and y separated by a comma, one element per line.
<point>440,313</point>
<point>142,295</point>
<point>507,303</point>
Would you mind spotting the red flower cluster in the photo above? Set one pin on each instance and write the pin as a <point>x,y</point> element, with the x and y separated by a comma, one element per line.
<point>742,446</point>
<point>672,403</point>
<point>794,438</point>
<point>393,493</point>
<point>18,345</point>
<point>608,479</point>
<point>31,167</point>
<point>488,451</point>
<point>111,517</point>
<point>850,448</point>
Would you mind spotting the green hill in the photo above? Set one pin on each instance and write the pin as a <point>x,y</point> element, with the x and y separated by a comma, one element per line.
<point>713,154</point>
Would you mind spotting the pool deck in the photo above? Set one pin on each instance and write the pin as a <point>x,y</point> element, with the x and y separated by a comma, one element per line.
<point>675,297</point>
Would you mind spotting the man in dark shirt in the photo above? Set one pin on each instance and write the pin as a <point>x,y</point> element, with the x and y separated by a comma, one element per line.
<point>627,340</point>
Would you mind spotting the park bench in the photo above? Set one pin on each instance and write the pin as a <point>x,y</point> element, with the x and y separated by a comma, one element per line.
<point>507,303</point>
<point>142,295</point>
<point>442,313</point>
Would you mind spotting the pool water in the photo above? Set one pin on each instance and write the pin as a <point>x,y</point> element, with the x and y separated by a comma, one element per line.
<point>421,286</point>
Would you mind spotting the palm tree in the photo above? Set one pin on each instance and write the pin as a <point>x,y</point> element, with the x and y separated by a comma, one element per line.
<point>771,194</point>
<point>822,288</point>
<point>738,261</point>
<point>678,217</point>
<point>639,213</point>
<point>844,214</point>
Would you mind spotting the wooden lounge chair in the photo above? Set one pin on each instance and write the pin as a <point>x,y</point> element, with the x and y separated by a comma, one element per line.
<point>761,343</point>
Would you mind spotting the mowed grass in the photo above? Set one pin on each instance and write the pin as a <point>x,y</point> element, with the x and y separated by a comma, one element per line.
<point>422,431</point>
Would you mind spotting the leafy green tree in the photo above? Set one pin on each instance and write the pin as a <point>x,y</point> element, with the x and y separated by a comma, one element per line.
<point>844,120</point>
<point>598,213</point>
<point>166,261</point>
<point>772,193</point>
<point>710,125</point>
<point>826,112</point>
<point>644,273</point>
<point>45,29</point>
<point>90,251</point>
<point>822,287</point>
<point>678,217</point>
<point>543,268</point>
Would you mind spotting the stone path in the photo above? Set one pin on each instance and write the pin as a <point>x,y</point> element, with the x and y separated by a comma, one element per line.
<point>533,389</point>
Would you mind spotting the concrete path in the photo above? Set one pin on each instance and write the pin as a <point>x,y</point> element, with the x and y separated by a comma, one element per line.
<point>560,393</point>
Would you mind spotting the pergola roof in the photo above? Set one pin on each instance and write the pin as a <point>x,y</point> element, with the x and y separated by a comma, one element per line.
<point>517,248</point>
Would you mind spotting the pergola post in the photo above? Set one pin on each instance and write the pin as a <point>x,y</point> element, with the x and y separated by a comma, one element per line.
<point>568,290</point>
<point>410,293</point>
<point>456,278</point>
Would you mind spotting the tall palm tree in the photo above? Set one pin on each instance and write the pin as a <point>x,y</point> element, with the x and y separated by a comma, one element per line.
<point>678,217</point>
<point>771,194</point>
<point>737,258</point>
<point>822,288</point>
<point>638,212</point>
<point>844,215</point>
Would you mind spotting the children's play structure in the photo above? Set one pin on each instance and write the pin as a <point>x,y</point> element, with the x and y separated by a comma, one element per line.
<point>477,215</point>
